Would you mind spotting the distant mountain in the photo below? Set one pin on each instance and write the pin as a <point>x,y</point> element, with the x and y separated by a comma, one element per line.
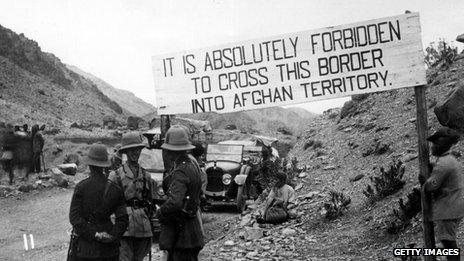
<point>126,99</point>
<point>305,114</point>
<point>36,87</point>
<point>265,121</point>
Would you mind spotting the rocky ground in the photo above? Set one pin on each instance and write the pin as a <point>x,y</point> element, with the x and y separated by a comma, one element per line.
<point>342,155</point>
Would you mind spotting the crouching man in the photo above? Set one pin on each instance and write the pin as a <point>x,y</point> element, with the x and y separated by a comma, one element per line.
<point>280,203</point>
<point>447,184</point>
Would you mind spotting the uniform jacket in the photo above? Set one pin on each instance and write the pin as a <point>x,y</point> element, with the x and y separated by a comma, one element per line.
<point>447,184</point>
<point>88,215</point>
<point>184,180</point>
<point>133,187</point>
<point>37,142</point>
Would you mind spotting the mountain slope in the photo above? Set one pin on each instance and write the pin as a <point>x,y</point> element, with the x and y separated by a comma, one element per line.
<point>127,100</point>
<point>305,114</point>
<point>266,121</point>
<point>35,87</point>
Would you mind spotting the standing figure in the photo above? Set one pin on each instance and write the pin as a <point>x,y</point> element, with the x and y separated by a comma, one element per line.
<point>37,147</point>
<point>447,184</point>
<point>116,158</point>
<point>181,234</point>
<point>94,200</point>
<point>139,193</point>
<point>9,145</point>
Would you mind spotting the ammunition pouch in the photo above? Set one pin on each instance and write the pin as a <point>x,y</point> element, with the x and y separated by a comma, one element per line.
<point>138,203</point>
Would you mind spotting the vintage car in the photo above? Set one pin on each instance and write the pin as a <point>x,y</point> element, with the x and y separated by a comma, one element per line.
<point>229,169</point>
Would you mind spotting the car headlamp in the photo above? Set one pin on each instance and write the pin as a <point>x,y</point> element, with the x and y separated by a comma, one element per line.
<point>160,191</point>
<point>226,179</point>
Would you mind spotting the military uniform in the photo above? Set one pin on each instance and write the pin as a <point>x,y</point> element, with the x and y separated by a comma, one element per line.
<point>89,215</point>
<point>181,234</point>
<point>447,183</point>
<point>37,147</point>
<point>138,190</point>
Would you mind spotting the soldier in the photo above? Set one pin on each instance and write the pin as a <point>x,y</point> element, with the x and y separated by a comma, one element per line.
<point>116,158</point>
<point>139,192</point>
<point>9,147</point>
<point>447,184</point>
<point>181,234</point>
<point>93,202</point>
<point>37,147</point>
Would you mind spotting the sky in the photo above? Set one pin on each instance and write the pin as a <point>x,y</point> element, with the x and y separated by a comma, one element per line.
<point>115,39</point>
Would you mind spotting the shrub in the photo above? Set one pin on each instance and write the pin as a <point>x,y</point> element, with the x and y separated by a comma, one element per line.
<point>359,97</point>
<point>401,217</point>
<point>441,54</point>
<point>349,109</point>
<point>387,183</point>
<point>285,130</point>
<point>312,144</point>
<point>376,148</point>
<point>337,205</point>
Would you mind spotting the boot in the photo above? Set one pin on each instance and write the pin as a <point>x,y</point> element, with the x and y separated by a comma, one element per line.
<point>451,244</point>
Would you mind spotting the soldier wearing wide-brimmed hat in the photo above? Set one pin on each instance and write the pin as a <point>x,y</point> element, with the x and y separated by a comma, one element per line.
<point>93,202</point>
<point>181,232</point>
<point>447,184</point>
<point>139,193</point>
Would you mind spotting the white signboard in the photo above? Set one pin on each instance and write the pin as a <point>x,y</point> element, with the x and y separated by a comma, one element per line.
<point>333,62</point>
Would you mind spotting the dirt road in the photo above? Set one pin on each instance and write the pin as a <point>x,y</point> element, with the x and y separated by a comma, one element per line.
<point>44,214</point>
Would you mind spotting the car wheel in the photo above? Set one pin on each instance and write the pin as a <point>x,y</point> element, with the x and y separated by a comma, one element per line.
<point>241,200</point>
<point>206,208</point>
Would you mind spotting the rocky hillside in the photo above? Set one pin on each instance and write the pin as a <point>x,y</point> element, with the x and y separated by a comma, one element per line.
<point>130,103</point>
<point>37,87</point>
<point>343,154</point>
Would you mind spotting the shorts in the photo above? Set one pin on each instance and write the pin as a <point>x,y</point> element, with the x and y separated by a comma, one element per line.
<point>447,229</point>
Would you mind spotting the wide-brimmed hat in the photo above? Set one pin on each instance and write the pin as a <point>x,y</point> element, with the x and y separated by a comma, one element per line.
<point>97,156</point>
<point>177,139</point>
<point>131,140</point>
<point>445,132</point>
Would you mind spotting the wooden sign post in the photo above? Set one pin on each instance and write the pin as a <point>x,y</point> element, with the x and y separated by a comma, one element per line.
<point>165,125</point>
<point>422,133</point>
<point>339,61</point>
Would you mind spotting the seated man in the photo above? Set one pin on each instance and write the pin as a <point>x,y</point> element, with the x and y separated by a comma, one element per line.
<point>279,203</point>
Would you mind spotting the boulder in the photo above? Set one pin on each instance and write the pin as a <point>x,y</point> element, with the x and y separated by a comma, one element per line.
<point>68,169</point>
<point>409,157</point>
<point>288,231</point>
<point>246,220</point>
<point>229,243</point>
<point>303,175</point>
<point>450,112</point>
<point>460,38</point>
<point>357,177</point>
<point>253,233</point>
<point>26,188</point>
<point>59,178</point>
<point>71,158</point>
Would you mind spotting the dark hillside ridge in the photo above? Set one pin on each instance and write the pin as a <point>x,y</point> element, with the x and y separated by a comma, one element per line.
<point>37,86</point>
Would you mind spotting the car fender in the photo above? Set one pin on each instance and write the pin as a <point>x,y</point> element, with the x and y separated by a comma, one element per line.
<point>240,179</point>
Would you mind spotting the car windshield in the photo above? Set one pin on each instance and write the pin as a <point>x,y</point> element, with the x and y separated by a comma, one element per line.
<point>152,160</point>
<point>217,152</point>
